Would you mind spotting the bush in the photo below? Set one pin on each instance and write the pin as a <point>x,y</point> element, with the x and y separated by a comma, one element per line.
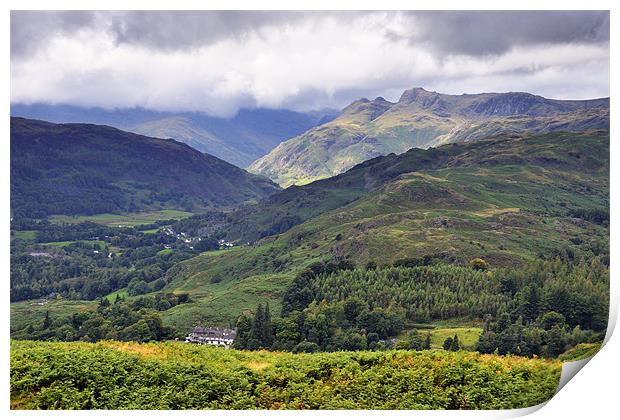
<point>137,287</point>
<point>306,347</point>
<point>478,264</point>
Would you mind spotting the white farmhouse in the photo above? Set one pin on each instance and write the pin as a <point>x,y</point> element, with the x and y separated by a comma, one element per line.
<point>212,336</point>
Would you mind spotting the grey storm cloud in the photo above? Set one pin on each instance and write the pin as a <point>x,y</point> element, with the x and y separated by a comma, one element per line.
<point>167,30</point>
<point>465,32</point>
<point>31,29</point>
<point>218,61</point>
<point>494,32</point>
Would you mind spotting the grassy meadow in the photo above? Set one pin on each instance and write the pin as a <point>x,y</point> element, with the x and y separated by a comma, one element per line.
<point>129,219</point>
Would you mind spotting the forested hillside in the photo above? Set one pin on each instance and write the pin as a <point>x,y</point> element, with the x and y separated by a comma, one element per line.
<point>88,169</point>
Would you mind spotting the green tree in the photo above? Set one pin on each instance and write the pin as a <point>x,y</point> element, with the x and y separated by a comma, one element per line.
<point>550,319</point>
<point>556,339</point>
<point>353,340</point>
<point>244,326</point>
<point>103,303</point>
<point>286,333</point>
<point>427,342</point>
<point>139,332</point>
<point>306,347</point>
<point>267,339</point>
<point>256,338</point>
<point>137,287</point>
<point>455,345</point>
<point>353,307</point>
<point>47,322</point>
<point>371,265</point>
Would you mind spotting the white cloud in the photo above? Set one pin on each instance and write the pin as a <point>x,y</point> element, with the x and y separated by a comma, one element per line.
<point>321,61</point>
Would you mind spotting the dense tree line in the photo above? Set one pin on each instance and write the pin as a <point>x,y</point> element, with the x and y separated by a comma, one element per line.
<point>423,293</point>
<point>548,336</point>
<point>135,320</point>
<point>321,326</point>
<point>600,216</point>
<point>578,291</point>
<point>335,306</point>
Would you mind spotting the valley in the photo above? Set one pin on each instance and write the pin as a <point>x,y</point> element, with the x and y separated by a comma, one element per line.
<point>509,202</point>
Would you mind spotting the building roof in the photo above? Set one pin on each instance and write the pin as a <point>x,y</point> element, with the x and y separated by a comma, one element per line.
<point>215,332</point>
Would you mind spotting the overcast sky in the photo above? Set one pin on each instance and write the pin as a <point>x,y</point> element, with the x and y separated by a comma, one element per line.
<point>217,62</point>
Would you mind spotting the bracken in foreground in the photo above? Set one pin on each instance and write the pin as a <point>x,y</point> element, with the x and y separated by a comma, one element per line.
<point>115,375</point>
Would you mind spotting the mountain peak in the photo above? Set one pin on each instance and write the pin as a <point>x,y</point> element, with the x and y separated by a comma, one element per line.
<point>366,108</point>
<point>413,94</point>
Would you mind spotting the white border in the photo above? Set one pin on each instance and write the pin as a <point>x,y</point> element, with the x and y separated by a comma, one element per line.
<point>592,394</point>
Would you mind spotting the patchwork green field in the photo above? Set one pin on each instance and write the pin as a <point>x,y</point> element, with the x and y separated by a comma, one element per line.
<point>25,235</point>
<point>468,337</point>
<point>61,244</point>
<point>24,313</point>
<point>129,219</point>
<point>116,375</point>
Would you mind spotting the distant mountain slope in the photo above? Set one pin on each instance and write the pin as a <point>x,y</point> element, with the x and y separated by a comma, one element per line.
<point>558,153</point>
<point>87,169</point>
<point>508,200</point>
<point>367,129</point>
<point>239,140</point>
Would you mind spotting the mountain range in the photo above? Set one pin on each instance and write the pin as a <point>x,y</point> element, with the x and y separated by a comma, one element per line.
<point>239,140</point>
<point>88,169</point>
<point>369,128</point>
<point>294,148</point>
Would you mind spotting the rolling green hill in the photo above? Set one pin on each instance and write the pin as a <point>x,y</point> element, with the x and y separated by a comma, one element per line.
<point>506,200</point>
<point>88,169</point>
<point>367,129</point>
